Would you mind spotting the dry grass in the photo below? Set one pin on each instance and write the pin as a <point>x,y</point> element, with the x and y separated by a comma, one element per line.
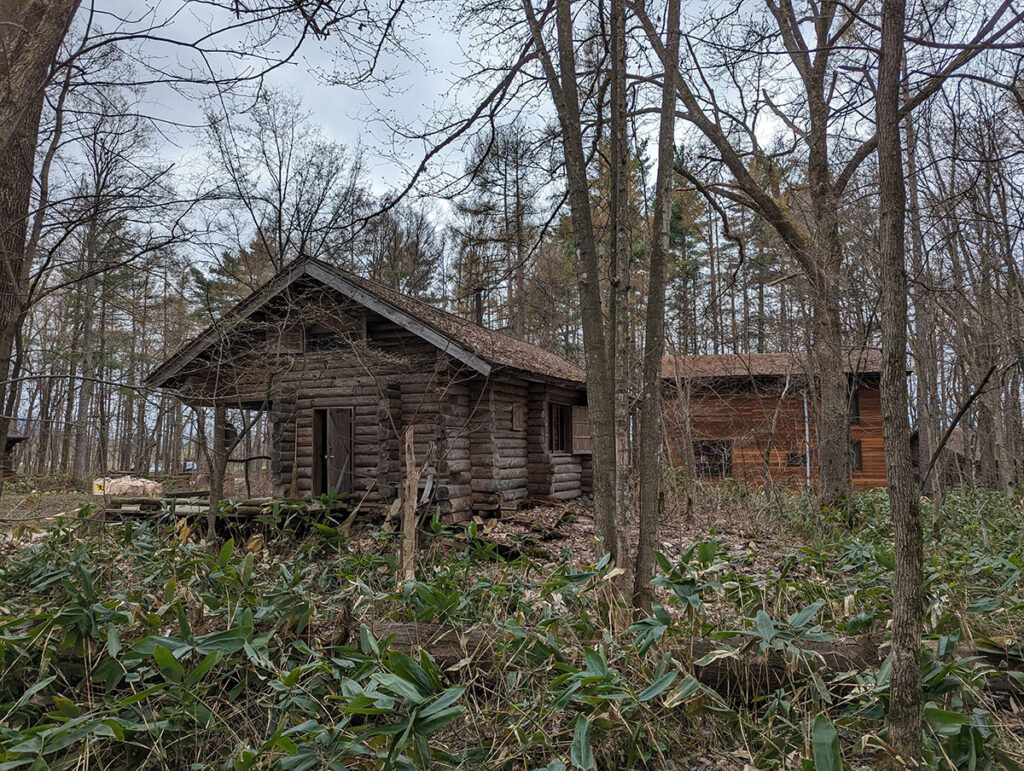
<point>39,507</point>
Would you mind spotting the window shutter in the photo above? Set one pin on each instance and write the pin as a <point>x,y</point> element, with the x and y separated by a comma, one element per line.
<point>581,444</point>
<point>518,417</point>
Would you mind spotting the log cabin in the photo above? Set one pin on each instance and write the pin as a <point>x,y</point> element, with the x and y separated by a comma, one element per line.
<point>341,366</point>
<point>750,417</point>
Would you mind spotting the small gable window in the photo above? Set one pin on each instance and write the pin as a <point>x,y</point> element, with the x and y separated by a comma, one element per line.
<point>328,341</point>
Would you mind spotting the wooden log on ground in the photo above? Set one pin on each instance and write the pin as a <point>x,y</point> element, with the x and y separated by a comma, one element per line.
<point>752,674</point>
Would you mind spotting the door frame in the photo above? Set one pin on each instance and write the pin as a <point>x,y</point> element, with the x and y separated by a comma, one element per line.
<point>322,442</point>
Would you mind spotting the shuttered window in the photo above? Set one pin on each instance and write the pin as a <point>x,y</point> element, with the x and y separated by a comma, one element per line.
<point>518,417</point>
<point>581,442</point>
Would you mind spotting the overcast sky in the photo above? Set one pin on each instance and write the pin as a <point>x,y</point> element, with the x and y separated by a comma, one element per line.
<point>413,90</point>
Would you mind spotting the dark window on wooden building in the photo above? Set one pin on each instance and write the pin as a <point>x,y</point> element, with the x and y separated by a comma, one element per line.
<point>855,408</point>
<point>285,339</point>
<point>856,455</point>
<point>713,458</point>
<point>326,341</point>
<point>796,459</point>
<point>560,424</point>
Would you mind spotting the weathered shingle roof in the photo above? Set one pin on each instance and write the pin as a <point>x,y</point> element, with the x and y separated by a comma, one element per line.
<point>491,345</point>
<point>861,361</point>
<point>476,346</point>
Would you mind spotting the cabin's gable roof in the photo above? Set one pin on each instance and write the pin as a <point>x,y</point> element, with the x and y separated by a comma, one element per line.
<point>476,347</point>
<point>861,361</point>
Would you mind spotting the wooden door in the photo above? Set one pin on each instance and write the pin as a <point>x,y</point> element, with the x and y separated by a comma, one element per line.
<point>332,451</point>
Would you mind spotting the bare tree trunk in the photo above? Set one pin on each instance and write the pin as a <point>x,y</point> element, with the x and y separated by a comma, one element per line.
<point>906,700</point>
<point>30,36</point>
<point>562,84</point>
<point>69,415</point>
<point>16,165</point>
<point>45,426</point>
<point>832,422</point>
<point>218,466</point>
<point>925,351</point>
<point>409,493</point>
<point>827,354</point>
<point>651,411</point>
<point>618,301</point>
<point>82,434</point>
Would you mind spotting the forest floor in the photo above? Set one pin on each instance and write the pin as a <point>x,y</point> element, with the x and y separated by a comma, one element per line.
<point>38,507</point>
<point>295,645</point>
<point>565,532</point>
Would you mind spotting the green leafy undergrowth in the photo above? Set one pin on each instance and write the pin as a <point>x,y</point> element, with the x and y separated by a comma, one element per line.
<point>132,646</point>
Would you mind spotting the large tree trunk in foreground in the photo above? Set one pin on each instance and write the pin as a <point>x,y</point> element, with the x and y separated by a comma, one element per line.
<point>906,700</point>
<point>16,165</point>
<point>651,408</point>
<point>30,37</point>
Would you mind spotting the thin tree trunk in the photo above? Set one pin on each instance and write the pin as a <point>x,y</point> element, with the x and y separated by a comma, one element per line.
<point>218,466</point>
<point>620,278</point>
<point>564,90</point>
<point>46,393</point>
<point>651,410</point>
<point>82,435</point>
<point>908,578</point>
<point>69,415</point>
<point>410,491</point>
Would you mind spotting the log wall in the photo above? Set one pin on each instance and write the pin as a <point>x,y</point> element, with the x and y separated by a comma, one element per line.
<point>499,450</point>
